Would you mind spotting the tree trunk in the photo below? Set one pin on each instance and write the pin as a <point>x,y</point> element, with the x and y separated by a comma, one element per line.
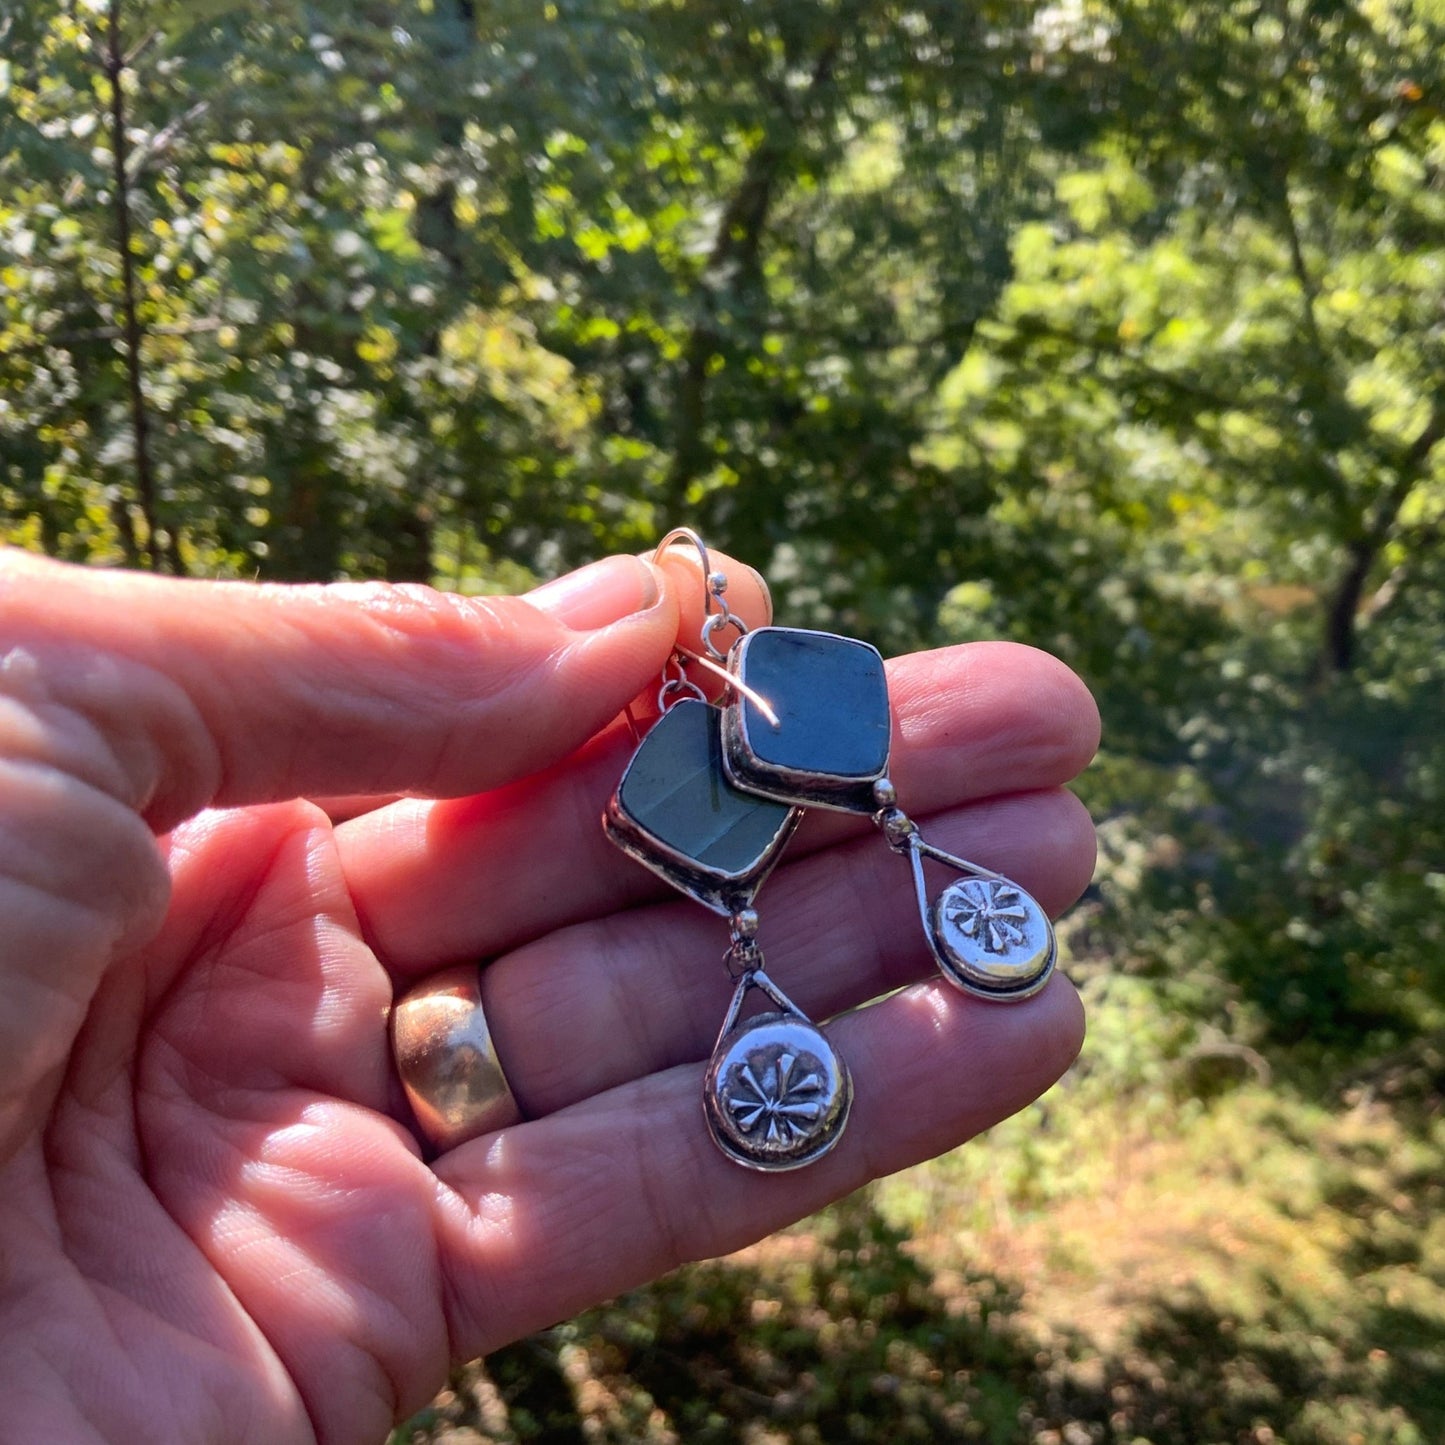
<point>133,333</point>
<point>1343,608</point>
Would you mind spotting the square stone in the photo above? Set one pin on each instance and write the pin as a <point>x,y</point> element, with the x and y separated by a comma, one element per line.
<point>830,694</point>
<point>676,811</point>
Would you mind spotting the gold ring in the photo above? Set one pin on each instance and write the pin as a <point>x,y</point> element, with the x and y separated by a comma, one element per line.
<point>447,1061</point>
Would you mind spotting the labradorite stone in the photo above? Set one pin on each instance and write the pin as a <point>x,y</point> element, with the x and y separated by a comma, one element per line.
<point>676,790</point>
<point>831,698</point>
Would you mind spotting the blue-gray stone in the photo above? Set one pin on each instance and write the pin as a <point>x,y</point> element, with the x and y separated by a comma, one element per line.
<point>676,791</point>
<point>831,697</point>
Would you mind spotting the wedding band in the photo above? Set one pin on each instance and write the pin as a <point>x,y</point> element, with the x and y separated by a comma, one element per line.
<point>447,1061</point>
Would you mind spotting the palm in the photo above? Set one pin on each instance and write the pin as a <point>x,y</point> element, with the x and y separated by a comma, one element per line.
<point>234,1229</point>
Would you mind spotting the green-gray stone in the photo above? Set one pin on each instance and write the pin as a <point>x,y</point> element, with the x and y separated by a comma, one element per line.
<point>675,790</point>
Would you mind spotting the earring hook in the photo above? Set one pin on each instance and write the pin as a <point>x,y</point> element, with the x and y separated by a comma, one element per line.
<point>714,585</point>
<point>686,534</point>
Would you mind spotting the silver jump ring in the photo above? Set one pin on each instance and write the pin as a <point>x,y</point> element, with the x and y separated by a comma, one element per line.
<point>714,623</point>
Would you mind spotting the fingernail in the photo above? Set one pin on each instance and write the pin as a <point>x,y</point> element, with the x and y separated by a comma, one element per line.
<point>599,593</point>
<point>765,590</point>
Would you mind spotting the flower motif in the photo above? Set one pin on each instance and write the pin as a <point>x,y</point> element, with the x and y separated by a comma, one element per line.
<point>782,1097</point>
<point>990,911</point>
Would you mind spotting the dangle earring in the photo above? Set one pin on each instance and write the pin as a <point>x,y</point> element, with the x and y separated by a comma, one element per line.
<point>776,1094</point>
<point>830,747</point>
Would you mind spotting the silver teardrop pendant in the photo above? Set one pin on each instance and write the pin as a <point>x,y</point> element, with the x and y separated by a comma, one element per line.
<point>990,937</point>
<point>776,1093</point>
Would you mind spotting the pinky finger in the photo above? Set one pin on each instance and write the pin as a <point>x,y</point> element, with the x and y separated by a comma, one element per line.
<point>546,1219</point>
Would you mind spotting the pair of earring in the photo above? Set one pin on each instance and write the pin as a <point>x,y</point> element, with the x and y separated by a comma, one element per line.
<point>709,801</point>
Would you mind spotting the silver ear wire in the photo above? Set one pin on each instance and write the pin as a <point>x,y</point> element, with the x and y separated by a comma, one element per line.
<point>684,534</point>
<point>716,615</point>
<point>716,612</point>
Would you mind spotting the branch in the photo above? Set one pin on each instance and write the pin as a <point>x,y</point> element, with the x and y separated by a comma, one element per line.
<point>1328,389</point>
<point>1342,612</point>
<point>1309,287</point>
<point>1412,462</point>
<point>140,48</point>
<point>161,141</point>
<point>1421,540</point>
<point>1431,435</point>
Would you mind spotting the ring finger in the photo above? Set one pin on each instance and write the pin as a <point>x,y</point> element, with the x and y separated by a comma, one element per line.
<point>602,1003</point>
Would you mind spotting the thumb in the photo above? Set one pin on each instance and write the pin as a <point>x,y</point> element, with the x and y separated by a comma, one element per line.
<point>172,695</point>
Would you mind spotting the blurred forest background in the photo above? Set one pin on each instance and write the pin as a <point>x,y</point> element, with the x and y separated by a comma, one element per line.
<point>1114,326</point>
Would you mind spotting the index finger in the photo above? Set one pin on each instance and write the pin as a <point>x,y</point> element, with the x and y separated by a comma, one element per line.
<point>570,597</point>
<point>172,695</point>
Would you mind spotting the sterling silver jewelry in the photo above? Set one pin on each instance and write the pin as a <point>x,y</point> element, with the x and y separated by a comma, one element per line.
<point>830,749</point>
<point>710,799</point>
<point>776,1094</point>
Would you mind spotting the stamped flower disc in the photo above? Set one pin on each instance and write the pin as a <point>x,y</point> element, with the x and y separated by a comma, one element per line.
<point>992,938</point>
<point>777,1095</point>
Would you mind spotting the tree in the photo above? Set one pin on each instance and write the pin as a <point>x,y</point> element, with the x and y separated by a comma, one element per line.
<point>552,274</point>
<point>1209,408</point>
<point>1247,281</point>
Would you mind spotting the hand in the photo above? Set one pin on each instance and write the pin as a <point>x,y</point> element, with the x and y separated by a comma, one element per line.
<point>215,1224</point>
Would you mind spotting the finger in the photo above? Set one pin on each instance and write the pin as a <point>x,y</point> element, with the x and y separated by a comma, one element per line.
<point>342,810</point>
<point>575,599</point>
<point>544,1219</point>
<point>127,697</point>
<point>80,876</point>
<point>645,990</point>
<point>435,883</point>
<point>196,693</point>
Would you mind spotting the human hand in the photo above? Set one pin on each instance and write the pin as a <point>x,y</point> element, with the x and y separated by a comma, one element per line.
<point>215,1224</point>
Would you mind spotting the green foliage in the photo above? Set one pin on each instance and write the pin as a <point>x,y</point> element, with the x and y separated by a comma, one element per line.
<point>1277,1275</point>
<point>1210,402</point>
<point>551,272</point>
<point>1112,327</point>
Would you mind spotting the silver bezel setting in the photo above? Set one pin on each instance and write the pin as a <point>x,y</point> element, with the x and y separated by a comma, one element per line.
<point>1009,971</point>
<point>1015,971</point>
<point>717,889</point>
<point>844,793</point>
<point>757,1066</point>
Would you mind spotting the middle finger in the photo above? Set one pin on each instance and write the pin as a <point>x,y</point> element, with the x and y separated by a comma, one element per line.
<point>435,882</point>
